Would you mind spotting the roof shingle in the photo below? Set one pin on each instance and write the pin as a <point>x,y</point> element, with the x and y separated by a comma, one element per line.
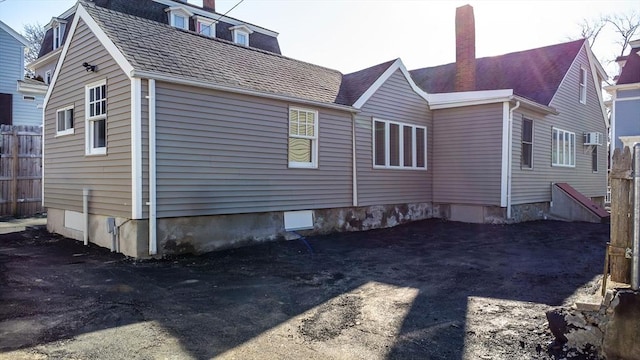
<point>534,74</point>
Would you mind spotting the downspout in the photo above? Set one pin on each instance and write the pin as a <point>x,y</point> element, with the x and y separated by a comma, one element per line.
<point>510,158</point>
<point>354,171</point>
<point>153,244</point>
<point>85,214</point>
<point>635,257</point>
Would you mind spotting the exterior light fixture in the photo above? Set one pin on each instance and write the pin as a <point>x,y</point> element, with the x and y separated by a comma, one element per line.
<point>89,67</point>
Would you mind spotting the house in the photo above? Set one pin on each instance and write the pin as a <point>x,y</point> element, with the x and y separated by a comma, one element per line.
<point>625,100</point>
<point>179,14</point>
<point>153,148</point>
<point>20,98</point>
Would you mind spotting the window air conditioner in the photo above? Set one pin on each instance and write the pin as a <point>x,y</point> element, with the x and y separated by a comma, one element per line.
<point>593,138</point>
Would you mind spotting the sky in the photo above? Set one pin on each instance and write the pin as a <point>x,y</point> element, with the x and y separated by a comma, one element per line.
<point>349,35</point>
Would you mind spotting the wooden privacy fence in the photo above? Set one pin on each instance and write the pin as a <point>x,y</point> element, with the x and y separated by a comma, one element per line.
<point>20,170</point>
<point>621,216</point>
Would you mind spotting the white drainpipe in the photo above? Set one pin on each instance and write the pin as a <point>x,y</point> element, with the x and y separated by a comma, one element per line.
<point>510,158</point>
<point>153,244</point>
<point>354,171</point>
<point>85,214</point>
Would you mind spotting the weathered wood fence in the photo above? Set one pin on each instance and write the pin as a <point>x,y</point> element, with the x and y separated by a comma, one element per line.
<point>20,170</point>
<point>621,215</point>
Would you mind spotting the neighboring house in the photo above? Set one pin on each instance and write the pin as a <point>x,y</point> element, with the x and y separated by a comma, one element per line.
<point>159,148</point>
<point>625,101</point>
<point>20,98</point>
<point>179,14</point>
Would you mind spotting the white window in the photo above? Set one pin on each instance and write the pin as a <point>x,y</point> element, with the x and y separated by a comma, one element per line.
<point>179,17</point>
<point>241,34</point>
<point>47,77</point>
<point>303,138</point>
<point>583,85</point>
<point>96,118</point>
<point>563,148</point>
<point>58,34</point>
<point>64,121</point>
<point>205,26</point>
<point>398,145</point>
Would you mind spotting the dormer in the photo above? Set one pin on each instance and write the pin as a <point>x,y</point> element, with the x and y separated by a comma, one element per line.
<point>179,17</point>
<point>241,34</point>
<point>58,26</point>
<point>205,26</point>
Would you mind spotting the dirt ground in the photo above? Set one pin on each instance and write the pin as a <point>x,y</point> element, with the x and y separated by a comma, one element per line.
<point>427,290</point>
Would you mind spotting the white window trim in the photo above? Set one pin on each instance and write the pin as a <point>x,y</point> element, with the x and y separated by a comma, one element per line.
<point>206,21</point>
<point>58,34</point>
<point>89,149</point>
<point>572,149</point>
<point>533,139</point>
<point>241,29</point>
<point>314,140</point>
<point>70,130</point>
<point>583,85</point>
<point>387,155</point>
<point>179,11</point>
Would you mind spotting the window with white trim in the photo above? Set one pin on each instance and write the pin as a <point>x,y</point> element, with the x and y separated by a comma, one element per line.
<point>563,148</point>
<point>206,27</point>
<point>398,145</point>
<point>64,121</point>
<point>594,159</point>
<point>58,34</point>
<point>583,85</point>
<point>178,17</point>
<point>527,144</point>
<point>303,138</point>
<point>241,34</point>
<point>96,118</point>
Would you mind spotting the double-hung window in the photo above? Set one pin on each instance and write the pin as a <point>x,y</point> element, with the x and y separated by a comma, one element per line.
<point>583,85</point>
<point>527,144</point>
<point>58,33</point>
<point>303,138</point>
<point>64,121</point>
<point>96,118</point>
<point>563,148</point>
<point>398,145</point>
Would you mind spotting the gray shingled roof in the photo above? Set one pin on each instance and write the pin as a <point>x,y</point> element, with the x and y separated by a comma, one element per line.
<point>356,83</point>
<point>159,48</point>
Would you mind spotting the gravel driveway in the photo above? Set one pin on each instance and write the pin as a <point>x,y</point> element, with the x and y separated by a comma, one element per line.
<point>426,290</point>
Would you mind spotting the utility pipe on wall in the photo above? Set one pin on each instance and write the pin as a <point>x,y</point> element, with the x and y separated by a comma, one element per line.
<point>85,214</point>
<point>635,258</point>
<point>510,158</point>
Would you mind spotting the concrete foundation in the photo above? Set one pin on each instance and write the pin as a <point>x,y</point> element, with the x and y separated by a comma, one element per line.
<point>477,214</point>
<point>529,212</point>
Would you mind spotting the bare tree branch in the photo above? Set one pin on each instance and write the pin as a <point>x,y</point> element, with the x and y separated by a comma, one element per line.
<point>626,26</point>
<point>34,33</point>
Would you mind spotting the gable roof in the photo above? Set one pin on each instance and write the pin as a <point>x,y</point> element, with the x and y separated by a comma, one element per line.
<point>533,74</point>
<point>14,33</point>
<point>630,73</point>
<point>152,49</point>
<point>357,83</point>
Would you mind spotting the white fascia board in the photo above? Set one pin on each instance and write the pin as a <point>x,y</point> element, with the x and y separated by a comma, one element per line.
<point>111,48</point>
<point>397,65</point>
<point>206,85</point>
<point>504,172</point>
<point>219,17</point>
<point>32,88</point>
<point>136,148</point>
<point>242,27</point>
<point>530,104</point>
<point>469,98</point>
<point>179,9</point>
<point>612,89</point>
<point>44,59</point>
<point>14,33</point>
<point>598,84</point>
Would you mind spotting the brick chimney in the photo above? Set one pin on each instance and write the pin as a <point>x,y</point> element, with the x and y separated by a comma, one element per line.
<point>465,49</point>
<point>209,5</point>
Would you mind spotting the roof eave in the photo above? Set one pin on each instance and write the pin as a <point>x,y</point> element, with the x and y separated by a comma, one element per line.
<point>32,88</point>
<point>611,89</point>
<point>208,85</point>
<point>44,59</point>
<point>532,105</point>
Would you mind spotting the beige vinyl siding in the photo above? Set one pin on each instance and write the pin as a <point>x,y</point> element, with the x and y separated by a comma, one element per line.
<point>394,101</point>
<point>529,186</point>
<point>468,162</point>
<point>222,153</point>
<point>67,169</point>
